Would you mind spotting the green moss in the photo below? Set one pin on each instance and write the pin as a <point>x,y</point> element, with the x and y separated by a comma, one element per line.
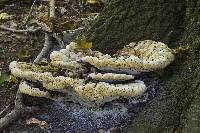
<point>41,68</point>
<point>122,22</point>
<point>190,120</point>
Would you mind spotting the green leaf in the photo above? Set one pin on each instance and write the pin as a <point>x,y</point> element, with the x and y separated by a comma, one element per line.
<point>4,77</point>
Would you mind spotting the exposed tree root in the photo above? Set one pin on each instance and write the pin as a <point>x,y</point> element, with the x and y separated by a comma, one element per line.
<point>3,112</point>
<point>19,110</point>
<point>47,47</point>
<point>48,36</point>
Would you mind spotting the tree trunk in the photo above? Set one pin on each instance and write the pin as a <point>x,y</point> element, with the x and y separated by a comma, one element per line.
<point>124,21</point>
<point>173,22</point>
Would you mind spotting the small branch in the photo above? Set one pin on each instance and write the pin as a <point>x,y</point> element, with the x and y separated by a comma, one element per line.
<point>45,49</point>
<point>30,12</point>
<point>3,112</point>
<point>76,10</point>
<point>52,9</point>
<point>9,118</point>
<point>2,27</point>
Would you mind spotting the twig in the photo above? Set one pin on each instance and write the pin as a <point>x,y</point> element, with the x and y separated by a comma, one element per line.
<point>2,27</point>
<point>77,12</point>
<point>19,110</point>
<point>45,49</point>
<point>52,9</point>
<point>3,112</point>
<point>29,14</point>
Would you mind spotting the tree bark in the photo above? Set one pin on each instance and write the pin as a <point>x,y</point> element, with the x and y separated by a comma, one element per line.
<point>173,22</point>
<point>124,21</point>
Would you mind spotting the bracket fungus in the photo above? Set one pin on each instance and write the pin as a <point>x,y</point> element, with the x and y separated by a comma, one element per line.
<point>134,58</point>
<point>110,77</point>
<point>96,87</point>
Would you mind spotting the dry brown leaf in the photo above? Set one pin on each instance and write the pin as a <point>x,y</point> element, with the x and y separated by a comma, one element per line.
<point>94,1</point>
<point>4,16</point>
<point>43,25</point>
<point>36,121</point>
<point>82,43</point>
<point>111,130</point>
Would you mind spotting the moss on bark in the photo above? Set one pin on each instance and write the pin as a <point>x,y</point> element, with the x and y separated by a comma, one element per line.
<point>190,119</point>
<point>174,97</point>
<point>124,21</point>
<point>176,94</point>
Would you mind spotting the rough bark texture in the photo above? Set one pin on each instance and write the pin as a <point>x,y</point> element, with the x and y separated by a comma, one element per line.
<point>124,21</point>
<point>173,22</point>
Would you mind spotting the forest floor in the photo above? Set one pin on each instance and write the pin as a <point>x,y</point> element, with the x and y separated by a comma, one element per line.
<point>67,117</point>
<point>26,46</point>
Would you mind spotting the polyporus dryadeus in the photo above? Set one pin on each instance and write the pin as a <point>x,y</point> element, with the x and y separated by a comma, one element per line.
<point>110,77</point>
<point>134,58</point>
<point>96,88</point>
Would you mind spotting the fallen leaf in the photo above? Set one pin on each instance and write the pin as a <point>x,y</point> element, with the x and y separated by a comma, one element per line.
<point>4,77</point>
<point>36,121</point>
<point>5,16</point>
<point>82,43</point>
<point>45,26</point>
<point>176,130</point>
<point>22,54</point>
<point>42,16</point>
<point>94,2</point>
<point>69,26</point>
<point>14,79</point>
<point>111,130</point>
